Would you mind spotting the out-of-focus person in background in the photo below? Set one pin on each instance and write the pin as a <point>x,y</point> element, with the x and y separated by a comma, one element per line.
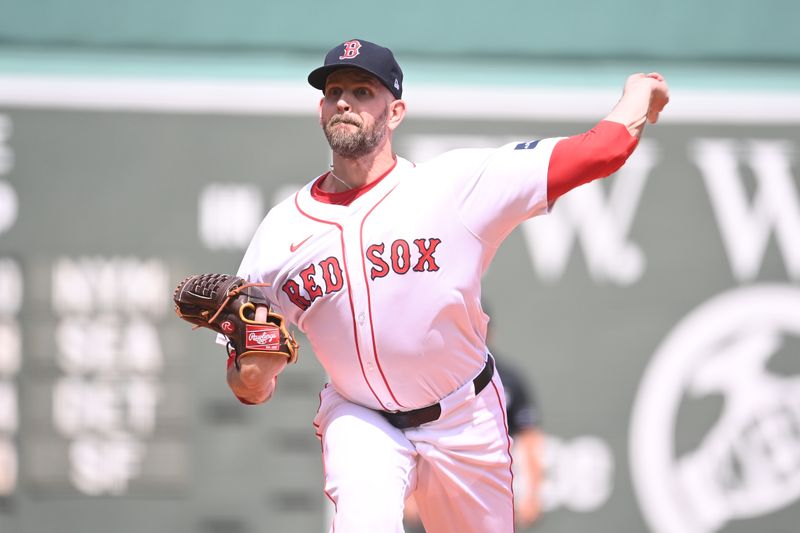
<point>524,427</point>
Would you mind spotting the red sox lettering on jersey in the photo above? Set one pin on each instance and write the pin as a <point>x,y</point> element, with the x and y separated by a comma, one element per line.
<point>326,276</point>
<point>401,258</point>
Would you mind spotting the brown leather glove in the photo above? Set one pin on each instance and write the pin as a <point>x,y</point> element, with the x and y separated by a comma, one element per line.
<point>226,304</point>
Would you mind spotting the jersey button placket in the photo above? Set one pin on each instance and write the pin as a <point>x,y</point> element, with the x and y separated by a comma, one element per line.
<point>361,314</point>
<point>365,343</point>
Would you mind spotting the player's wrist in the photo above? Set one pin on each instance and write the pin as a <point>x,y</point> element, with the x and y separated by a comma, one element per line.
<point>251,394</point>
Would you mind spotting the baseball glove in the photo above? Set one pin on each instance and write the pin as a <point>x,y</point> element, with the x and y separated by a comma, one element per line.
<point>227,304</point>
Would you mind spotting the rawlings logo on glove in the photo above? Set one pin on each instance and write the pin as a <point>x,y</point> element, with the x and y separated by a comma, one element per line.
<point>263,337</point>
<point>227,304</point>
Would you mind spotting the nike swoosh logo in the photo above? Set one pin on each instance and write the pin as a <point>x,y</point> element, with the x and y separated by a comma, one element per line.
<point>293,247</point>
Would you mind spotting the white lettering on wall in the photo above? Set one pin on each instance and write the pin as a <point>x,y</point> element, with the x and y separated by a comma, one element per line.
<point>747,224</point>
<point>578,474</point>
<point>108,347</point>
<point>83,285</point>
<point>11,289</point>
<point>8,197</point>
<point>83,405</point>
<point>229,214</point>
<point>108,344</point>
<point>6,154</point>
<point>600,223</point>
<point>9,422</point>
<point>105,465</point>
<point>10,347</point>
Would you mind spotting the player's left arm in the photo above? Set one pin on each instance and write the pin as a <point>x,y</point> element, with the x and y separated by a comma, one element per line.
<point>256,378</point>
<point>602,150</point>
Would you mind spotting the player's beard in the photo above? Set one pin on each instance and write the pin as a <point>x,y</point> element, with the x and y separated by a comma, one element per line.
<point>358,143</point>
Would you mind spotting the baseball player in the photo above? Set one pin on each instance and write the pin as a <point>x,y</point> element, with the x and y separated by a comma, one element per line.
<point>378,261</point>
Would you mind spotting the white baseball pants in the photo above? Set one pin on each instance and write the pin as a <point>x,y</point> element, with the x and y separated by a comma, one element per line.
<point>459,466</point>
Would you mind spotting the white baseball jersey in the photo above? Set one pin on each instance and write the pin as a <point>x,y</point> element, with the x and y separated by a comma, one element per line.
<point>387,288</point>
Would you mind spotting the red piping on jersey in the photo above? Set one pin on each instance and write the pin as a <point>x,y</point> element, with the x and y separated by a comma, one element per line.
<point>369,295</point>
<point>349,293</point>
<point>508,448</point>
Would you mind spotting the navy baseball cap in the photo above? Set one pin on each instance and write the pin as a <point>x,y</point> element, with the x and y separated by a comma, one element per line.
<point>364,55</point>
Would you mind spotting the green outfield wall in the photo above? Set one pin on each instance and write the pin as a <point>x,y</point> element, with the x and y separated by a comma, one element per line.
<point>656,314</point>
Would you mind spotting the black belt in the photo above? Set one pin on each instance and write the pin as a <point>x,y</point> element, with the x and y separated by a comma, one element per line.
<point>417,417</point>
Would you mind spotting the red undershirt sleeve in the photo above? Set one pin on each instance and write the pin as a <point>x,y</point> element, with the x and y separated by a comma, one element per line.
<point>582,158</point>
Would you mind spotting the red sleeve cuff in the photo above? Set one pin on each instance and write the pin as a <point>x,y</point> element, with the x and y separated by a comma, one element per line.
<point>582,158</point>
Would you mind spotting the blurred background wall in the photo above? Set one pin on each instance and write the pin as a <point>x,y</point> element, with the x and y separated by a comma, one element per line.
<point>654,315</point>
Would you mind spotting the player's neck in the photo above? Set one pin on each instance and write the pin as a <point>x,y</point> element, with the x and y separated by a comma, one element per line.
<point>349,174</point>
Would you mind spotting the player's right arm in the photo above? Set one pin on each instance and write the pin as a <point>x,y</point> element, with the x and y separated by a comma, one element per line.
<point>602,150</point>
<point>496,190</point>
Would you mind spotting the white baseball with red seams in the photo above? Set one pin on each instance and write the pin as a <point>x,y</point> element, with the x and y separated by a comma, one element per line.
<point>387,289</point>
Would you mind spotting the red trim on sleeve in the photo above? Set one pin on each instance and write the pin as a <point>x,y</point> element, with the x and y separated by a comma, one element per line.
<point>582,158</point>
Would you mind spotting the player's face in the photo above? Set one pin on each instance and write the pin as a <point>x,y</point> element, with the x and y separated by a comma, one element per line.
<point>354,113</point>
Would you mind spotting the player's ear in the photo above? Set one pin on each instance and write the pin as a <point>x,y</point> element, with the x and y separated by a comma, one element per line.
<point>321,100</point>
<point>397,112</point>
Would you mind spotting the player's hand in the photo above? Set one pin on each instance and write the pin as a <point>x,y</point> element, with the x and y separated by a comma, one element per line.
<point>255,381</point>
<point>658,90</point>
<point>643,99</point>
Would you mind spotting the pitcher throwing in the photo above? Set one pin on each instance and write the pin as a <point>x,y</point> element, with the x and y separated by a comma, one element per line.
<point>379,261</point>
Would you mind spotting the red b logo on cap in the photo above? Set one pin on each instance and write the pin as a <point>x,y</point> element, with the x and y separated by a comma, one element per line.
<point>350,49</point>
